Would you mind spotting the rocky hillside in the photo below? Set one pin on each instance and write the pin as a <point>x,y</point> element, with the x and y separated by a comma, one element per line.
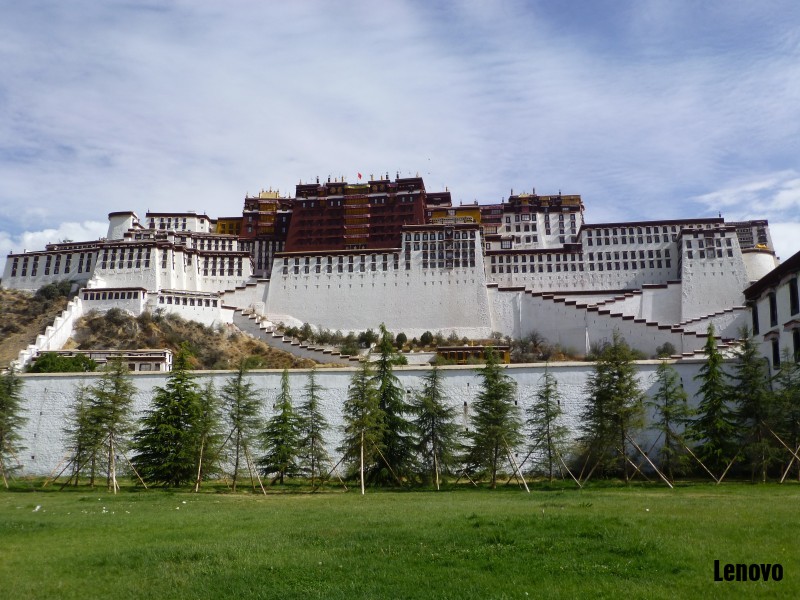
<point>212,347</point>
<point>23,316</point>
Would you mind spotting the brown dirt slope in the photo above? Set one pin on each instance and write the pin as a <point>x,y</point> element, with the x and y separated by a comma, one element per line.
<point>212,347</point>
<point>23,316</point>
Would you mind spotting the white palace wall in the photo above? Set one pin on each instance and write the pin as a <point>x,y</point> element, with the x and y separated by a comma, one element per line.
<point>47,397</point>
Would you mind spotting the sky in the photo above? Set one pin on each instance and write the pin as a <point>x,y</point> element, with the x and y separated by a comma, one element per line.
<point>647,109</point>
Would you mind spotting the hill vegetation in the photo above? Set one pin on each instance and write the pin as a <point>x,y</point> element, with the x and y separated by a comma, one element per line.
<point>211,347</point>
<point>24,315</point>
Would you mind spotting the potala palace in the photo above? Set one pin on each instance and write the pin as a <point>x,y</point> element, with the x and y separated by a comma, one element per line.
<point>349,256</point>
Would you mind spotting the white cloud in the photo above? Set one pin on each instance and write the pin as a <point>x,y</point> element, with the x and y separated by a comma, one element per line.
<point>785,238</point>
<point>37,240</point>
<point>641,108</point>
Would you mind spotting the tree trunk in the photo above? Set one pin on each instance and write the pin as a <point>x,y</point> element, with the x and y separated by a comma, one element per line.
<point>236,460</point>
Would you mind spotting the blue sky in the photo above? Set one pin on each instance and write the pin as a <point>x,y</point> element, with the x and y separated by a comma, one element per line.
<point>649,110</point>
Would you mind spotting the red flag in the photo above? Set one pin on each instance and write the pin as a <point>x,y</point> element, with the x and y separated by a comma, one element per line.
<point>359,175</point>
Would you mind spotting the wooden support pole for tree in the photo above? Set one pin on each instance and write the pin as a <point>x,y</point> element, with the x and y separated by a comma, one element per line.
<point>333,470</point>
<point>251,466</point>
<point>397,479</point>
<point>516,468</point>
<point>361,468</point>
<point>636,468</point>
<point>49,477</point>
<point>647,458</point>
<point>700,462</point>
<point>558,455</point>
<point>730,464</point>
<point>791,462</point>
<point>199,465</point>
<point>130,464</point>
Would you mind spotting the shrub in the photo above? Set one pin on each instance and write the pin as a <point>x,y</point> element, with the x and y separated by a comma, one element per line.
<point>400,340</point>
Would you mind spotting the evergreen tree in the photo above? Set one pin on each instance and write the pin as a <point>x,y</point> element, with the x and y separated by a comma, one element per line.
<point>614,407</point>
<point>397,443</point>
<point>313,426</point>
<point>83,438</point>
<point>437,434</point>
<point>754,408</point>
<point>714,426</point>
<point>110,410</point>
<point>209,433</point>
<point>168,442</point>
<point>242,407</point>
<point>11,420</point>
<point>786,406</point>
<point>281,436</point>
<point>496,425</point>
<point>548,435</point>
<point>671,411</point>
<point>364,423</point>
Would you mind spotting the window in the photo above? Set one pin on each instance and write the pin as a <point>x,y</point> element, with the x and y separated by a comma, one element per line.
<point>505,244</point>
<point>796,344</point>
<point>794,301</point>
<point>754,317</point>
<point>776,353</point>
<point>773,310</point>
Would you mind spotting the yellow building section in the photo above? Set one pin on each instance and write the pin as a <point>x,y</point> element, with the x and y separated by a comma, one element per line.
<point>456,214</point>
<point>229,225</point>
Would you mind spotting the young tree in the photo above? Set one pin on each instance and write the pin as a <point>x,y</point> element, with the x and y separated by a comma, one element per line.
<point>83,437</point>
<point>209,433</point>
<point>714,426</point>
<point>437,434</point>
<point>786,407</point>
<point>614,407</point>
<point>111,400</point>
<point>548,435</point>
<point>168,442</point>
<point>313,426</point>
<point>242,407</point>
<point>671,411</point>
<point>397,443</point>
<point>754,408</point>
<point>364,422</point>
<point>496,425</point>
<point>281,436</point>
<point>11,420</point>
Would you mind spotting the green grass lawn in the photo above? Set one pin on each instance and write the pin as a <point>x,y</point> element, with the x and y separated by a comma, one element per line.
<point>602,542</point>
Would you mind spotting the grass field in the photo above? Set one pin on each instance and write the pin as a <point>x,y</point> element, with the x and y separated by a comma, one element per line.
<point>603,542</point>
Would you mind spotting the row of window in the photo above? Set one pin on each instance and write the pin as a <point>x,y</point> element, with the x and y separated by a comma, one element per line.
<point>132,295</point>
<point>630,230</point>
<point>184,301</point>
<point>50,264</point>
<point>609,241</point>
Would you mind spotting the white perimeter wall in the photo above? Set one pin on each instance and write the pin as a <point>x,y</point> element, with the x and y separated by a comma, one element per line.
<point>47,398</point>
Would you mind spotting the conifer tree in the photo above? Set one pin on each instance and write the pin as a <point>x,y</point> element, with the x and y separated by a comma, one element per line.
<point>241,404</point>
<point>281,436</point>
<point>168,442</point>
<point>437,434</point>
<point>83,437</point>
<point>397,444</point>
<point>111,399</point>
<point>11,420</point>
<point>548,435</point>
<point>364,423</point>
<point>614,407</point>
<point>313,426</point>
<point>754,408</point>
<point>496,425</point>
<point>671,413</point>
<point>209,433</point>
<point>786,407</point>
<point>713,427</point>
